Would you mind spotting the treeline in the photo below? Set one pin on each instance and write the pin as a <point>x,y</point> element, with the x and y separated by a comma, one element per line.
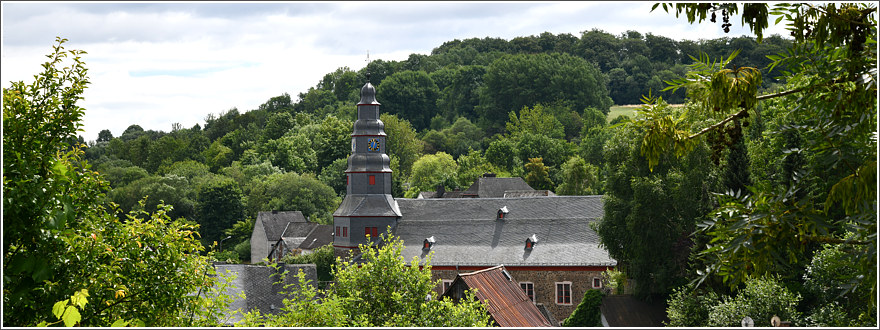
<point>533,107</point>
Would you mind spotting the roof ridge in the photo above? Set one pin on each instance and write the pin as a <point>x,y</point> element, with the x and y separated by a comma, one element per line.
<point>482,270</point>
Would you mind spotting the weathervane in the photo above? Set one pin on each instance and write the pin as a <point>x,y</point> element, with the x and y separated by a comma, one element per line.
<point>368,63</point>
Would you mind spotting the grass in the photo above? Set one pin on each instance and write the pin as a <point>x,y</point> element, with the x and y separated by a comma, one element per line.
<point>628,110</point>
<point>619,110</point>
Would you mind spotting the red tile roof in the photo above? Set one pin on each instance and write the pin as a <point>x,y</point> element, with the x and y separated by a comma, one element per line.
<point>508,304</point>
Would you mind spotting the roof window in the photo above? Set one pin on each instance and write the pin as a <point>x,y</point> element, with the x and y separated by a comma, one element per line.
<point>502,212</point>
<point>531,242</point>
<point>429,242</point>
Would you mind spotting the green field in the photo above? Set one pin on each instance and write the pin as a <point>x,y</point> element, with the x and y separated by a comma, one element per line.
<point>618,110</point>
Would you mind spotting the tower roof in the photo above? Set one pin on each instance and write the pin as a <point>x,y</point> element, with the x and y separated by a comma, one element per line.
<point>368,93</point>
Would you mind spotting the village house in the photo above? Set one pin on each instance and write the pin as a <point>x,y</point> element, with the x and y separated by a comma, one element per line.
<point>544,241</point>
<point>277,233</point>
<point>507,304</point>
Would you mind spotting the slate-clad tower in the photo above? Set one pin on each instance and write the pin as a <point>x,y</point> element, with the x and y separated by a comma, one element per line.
<point>368,208</point>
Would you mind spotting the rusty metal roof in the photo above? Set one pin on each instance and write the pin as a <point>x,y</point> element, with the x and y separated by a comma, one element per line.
<point>508,304</point>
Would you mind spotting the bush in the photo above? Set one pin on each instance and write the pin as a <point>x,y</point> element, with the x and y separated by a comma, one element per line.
<point>687,309</point>
<point>587,313</point>
<point>761,299</point>
<point>323,258</point>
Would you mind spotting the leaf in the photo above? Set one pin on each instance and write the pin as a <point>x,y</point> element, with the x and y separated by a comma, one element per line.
<point>71,316</point>
<point>79,298</point>
<point>119,323</point>
<point>58,309</point>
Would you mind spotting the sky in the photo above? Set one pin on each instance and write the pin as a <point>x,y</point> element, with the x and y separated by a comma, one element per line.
<point>159,63</point>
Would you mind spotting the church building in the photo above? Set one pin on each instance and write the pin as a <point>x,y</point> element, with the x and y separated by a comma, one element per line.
<point>544,241</point>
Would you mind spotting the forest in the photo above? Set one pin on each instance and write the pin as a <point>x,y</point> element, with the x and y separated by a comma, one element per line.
<point>747,174</point>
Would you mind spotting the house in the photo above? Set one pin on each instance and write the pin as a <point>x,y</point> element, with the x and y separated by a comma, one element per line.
<point>319,236</point>
<point>271,226</point>
<point>506,303</point>
<point>543,240</point>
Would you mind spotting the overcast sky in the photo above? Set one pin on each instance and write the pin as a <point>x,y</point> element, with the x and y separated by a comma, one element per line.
<point>158,63</point>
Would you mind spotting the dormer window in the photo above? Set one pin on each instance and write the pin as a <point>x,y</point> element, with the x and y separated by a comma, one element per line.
<point>531,242</point>
<point>429,242</point>
<point>502,212</point>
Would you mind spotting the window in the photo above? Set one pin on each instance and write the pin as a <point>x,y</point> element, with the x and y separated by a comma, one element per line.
<point>372,180</point>
<point>597,283</point>
<point>563,293</point>
<point>344,231</point>
<point>446,284</point>
<point>346,180</point>
<point>372,231</point>
<point>529,289</point>
<point>337,231</point>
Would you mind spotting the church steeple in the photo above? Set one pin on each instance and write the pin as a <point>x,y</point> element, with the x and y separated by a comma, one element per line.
<point>368,207</point>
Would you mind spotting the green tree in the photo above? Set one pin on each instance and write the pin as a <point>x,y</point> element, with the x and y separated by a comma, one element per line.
<point>401,142</point>
<point>218,206</point>
<point>761,299</point>
<point>658,208</point>
<point>294,192</point>
<point>534,120</point>
<point>577,177</point>
<point>587,313</point>
<point>524,80</point>
<point>412,95</point>
<point>537,175</point>
<point>61,241</point>
<point>170,190</point>
<point>429,171</point>
<point>381,291</point>
<point>830,81</point>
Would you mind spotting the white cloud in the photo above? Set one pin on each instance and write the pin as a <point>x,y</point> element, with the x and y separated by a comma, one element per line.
<point>155,64</point>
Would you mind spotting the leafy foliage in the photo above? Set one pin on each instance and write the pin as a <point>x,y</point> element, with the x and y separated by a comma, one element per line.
<point>380,290</point>
<point>63,244</point>
<point>587,313</point>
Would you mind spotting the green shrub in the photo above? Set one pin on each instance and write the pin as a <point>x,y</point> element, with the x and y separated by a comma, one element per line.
<point>323,258</point>
<point>587,313</point>
<point>687,309</point>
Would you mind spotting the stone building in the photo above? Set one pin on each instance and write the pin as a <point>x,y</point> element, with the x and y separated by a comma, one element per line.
<point>543,240</point>
<point>253,287</point>
<point>279,232</point>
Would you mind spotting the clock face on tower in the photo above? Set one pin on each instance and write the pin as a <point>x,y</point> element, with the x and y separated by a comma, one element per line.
<point>373,144</point>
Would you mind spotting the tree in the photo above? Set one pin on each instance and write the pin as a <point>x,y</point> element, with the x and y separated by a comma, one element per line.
<point>105,135</point>
<point>381,291</point>
<point>587,313</point>
<point>524,80</point>
<point>577,177</point>
<point>537,175</point>
<point>412,95</point>
<point>62,243</point>
<point>218,206</point>
<point>401,142</point>
<point>294,192</point>
<point>534,120</point>
<point>429,171</point>
<point>831,84</point>
<point>659,208</point>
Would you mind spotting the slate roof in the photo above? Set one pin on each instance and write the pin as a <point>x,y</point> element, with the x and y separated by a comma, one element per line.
<point>373,205</point>
<point>274,222</point>
<point>491,187</point>
<point>627,311</point>
<point>321,235</point>
<point>528,193</point>
<point>259,287</point>
<point>507,304</point>
<point>467,232</point>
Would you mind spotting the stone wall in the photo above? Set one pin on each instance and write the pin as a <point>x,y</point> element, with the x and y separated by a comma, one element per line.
<point>544,285</point>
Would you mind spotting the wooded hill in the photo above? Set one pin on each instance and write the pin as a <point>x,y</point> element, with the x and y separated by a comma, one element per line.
<point>471,106</point>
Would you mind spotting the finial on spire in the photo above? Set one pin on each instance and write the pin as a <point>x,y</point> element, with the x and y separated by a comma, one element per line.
<point>368,63</point>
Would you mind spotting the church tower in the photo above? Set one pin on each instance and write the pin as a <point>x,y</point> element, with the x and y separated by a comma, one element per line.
<point>368,208</point>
